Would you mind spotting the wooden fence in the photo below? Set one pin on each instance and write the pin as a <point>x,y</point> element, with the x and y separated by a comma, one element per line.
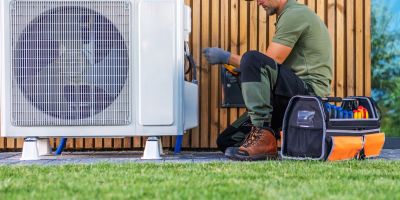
<point>240,26</point>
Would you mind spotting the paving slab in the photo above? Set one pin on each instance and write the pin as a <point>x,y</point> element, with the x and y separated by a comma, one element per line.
<point>6,155</point>
<point>179,161</point>
<point>93,157</point>
<point>390,154</point>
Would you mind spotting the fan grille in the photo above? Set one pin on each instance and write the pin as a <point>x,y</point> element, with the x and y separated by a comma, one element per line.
<point>70,63</point>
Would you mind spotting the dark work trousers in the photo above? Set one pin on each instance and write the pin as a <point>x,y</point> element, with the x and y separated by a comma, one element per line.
<point>266,88</point>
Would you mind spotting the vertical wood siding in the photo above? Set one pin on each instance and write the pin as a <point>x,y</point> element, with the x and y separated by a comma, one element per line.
<point>239,26</point>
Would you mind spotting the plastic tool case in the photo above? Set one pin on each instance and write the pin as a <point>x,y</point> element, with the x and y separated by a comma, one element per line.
<point>311,131</point>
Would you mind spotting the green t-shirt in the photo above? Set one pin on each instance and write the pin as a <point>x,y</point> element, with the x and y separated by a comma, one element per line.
<point>311,58</point>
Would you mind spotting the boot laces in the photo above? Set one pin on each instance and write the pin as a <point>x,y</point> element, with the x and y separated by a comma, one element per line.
<point>253,137</point>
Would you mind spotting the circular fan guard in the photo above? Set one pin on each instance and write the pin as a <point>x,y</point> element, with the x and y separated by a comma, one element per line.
<point>71,63</point>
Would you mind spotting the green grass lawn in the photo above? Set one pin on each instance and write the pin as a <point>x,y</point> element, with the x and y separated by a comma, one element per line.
<point>260,180</point>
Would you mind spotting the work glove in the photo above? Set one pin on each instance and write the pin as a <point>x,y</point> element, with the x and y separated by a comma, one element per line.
<point>216,55</point>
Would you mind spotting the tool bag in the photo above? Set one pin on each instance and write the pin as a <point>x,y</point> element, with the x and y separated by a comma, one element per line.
<point>312,130</point>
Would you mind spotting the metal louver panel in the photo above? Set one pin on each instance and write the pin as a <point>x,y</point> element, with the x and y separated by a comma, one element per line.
<point>70,63</point>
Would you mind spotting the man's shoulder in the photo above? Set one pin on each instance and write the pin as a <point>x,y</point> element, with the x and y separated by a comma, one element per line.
<point>298,13</point>
<point>298,16</point>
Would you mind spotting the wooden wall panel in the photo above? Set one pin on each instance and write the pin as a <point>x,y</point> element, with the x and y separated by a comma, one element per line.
<point>340,49</point>
<point>196,51</point>
<point>2,143</point>
<point>239,26</point>
<point>215,80</point>
<point>367,48</point>
<point>225,44</point>
<point>350,51</point>
<point>331,23</point>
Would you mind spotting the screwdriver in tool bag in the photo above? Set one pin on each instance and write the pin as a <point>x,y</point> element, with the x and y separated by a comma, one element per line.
<point>356,114</point>
<point>364,112</point>
<point>339,112</point>
<point>350,114</point>
<point>360,112</point>
<point>232,69</point>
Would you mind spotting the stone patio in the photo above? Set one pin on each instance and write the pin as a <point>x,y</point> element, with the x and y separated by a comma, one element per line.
<point>12,158</point>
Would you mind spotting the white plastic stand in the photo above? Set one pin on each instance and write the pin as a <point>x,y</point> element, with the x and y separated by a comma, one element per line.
<point>153,149</point>
<point>30,149</point>
<point>44,146</point>
<point>34,148</point>
<point>160,146</point>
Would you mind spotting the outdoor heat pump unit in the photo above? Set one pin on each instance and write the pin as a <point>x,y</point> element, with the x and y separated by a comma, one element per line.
<point>96,68</point>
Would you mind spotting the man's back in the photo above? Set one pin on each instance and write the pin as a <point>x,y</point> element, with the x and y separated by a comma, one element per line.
<point>311,58</point>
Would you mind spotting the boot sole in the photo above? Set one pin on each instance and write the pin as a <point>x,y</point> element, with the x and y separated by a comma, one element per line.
<point>255,157</point>
<point>232,153</point>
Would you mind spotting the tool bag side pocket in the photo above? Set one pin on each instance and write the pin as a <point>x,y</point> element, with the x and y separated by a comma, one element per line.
<point>303,129</point>
<point>344,147</point>
<point>373,145</point>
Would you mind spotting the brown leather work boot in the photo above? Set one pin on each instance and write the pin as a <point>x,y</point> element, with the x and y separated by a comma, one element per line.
<point>260,145</point>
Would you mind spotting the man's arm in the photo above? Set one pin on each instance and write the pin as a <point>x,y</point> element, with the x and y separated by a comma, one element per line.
<point>235,60</point>
<point>276,51</point>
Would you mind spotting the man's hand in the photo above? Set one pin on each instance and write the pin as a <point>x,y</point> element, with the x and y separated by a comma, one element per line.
<point>216,55</point>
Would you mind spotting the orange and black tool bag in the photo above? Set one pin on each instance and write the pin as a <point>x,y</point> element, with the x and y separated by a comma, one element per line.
<point>312,132</point>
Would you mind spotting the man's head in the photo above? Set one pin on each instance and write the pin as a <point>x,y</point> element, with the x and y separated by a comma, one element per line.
<point>272,6</point>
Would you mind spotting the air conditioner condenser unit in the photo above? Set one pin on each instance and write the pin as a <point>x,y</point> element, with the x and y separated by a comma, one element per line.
<point>96,68</point>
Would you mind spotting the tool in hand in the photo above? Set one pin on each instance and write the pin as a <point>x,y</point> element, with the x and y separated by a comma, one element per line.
<point>232,69</point>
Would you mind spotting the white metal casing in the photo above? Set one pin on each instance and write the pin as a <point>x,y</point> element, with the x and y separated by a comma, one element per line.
<point>160,101</point>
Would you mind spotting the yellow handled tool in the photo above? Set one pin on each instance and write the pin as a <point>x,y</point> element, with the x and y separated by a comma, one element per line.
<point>231,69</point>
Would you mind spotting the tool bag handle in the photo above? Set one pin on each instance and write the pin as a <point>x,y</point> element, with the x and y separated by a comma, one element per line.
<point>379,112</point>
<point>332,99</point>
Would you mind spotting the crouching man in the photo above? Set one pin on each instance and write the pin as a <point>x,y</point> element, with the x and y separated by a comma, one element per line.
<point>297,62</point>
